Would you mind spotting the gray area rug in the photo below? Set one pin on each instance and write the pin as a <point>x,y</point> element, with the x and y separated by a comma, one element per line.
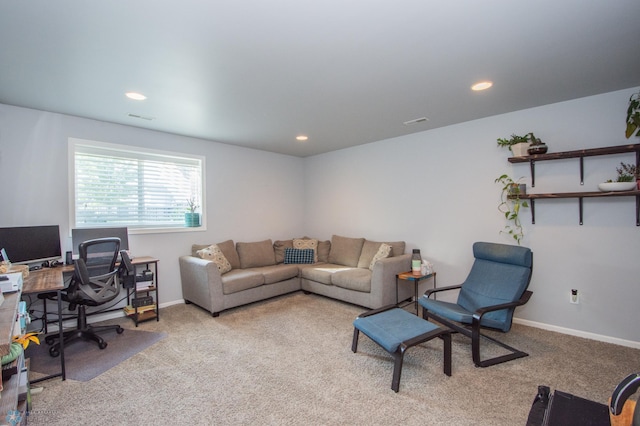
<point>84,360</point>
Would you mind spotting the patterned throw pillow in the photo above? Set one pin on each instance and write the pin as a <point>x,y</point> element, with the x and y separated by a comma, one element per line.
<point>292,255</point>
<point>214,254</point>
<point>300,244</point>
<point>383,252</point>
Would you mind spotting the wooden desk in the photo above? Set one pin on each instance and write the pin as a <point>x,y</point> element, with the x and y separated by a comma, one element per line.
<point>44,281</point>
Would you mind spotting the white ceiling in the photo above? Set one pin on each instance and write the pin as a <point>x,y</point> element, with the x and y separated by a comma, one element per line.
<point>256,73</point>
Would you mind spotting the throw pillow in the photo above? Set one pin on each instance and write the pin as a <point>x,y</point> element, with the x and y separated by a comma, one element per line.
<point>307,243</point>
<point>292,255</point>
<point>214,254</point>
<point>383,252</point>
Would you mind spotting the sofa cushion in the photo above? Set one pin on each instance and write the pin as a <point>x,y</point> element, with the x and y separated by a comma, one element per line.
<point>369,250</point>
<point>397,248</point>
<point>323,251</point>
<point>357,279</point>
<point>214,254</point>
<point>276,273</point>
<point>256,254</point>
<point>321,273</point>
<point>279,247</point>
<point>345,251</point>
<point>307,243</point>
<point>241,279</point>
<point>383,252</point>
<point>228,248</point>
<point>298,256</point>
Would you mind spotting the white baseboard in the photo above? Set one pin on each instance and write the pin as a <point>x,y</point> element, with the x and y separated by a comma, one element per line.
<point>579,333</point>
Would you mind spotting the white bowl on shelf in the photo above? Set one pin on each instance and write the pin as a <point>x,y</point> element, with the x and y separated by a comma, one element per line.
<point>617,186</point>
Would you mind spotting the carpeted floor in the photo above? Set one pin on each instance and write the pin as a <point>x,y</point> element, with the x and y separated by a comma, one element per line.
<point>288,361</point>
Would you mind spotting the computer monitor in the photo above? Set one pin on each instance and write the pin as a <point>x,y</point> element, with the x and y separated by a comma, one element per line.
<point>79,235</point>
<point>31,244</point>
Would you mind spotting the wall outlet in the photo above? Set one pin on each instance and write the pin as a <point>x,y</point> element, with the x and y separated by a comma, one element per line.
<point>573,297</point>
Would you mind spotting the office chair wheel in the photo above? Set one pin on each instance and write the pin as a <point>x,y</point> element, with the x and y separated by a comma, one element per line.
<point>119,330</point>
<point>102,345</point>
<point>49,340</point>
<point>54,352</point>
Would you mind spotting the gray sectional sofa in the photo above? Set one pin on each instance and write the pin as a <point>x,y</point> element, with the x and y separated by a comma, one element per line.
<point>355,270</point>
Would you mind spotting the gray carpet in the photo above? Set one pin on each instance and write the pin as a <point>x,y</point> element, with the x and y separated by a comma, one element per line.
<point>85,361</point>
<point>288,361</point>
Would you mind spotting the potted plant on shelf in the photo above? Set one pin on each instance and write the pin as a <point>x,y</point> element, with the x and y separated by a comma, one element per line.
<point>633,116</point>
<point>536,146</point>
<point>191,218</point>
<point>628,179</point>
<point>510,205</point>
<point>518,145</point>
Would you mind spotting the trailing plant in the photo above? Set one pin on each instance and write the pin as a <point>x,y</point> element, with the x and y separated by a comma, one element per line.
<point>633,116</point>
<point>510,205</point>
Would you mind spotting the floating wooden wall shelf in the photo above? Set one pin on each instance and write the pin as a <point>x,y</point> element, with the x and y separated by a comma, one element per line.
<point>580,154</point>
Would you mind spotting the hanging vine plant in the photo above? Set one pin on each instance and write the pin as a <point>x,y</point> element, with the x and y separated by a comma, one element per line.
<point>510,205</point>
<point>633,116</point>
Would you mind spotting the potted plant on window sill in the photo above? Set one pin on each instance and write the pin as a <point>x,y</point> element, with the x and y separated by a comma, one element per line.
<point>191,218</point>
<point>510,205</point>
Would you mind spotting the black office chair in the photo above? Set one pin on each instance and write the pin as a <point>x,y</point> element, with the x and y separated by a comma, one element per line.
<point>95,281</point>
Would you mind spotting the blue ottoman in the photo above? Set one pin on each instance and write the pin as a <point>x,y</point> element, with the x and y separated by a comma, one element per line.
<point>396,330</point>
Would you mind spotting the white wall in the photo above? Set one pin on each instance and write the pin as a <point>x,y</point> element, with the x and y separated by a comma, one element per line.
<point>436,191</point>
<point>251,194</point>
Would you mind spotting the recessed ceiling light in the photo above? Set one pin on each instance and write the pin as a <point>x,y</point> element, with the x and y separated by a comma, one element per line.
<point>483,85</point>
<point>136,96</point>
<point>302,137</point>
<point>415,121</point>
<point>142,117</point>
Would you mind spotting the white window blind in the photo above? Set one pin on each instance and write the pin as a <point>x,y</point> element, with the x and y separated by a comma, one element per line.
<point>115,185</point>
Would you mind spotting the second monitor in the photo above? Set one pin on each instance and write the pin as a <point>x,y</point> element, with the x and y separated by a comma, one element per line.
<point>79,235</point>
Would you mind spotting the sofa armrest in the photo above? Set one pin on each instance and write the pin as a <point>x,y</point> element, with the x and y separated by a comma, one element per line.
<point>383,278</point>
<point>201,283</point>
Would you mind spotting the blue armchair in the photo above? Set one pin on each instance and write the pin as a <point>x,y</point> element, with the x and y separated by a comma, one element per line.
<point>495,286</point>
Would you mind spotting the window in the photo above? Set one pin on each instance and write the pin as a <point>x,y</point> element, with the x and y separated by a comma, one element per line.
<point>115,185</point>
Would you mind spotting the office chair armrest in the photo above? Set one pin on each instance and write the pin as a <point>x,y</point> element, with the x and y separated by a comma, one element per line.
<point>478,314</point>
<point>436,290</point>
<point>125,264</point>
<point>82,274</point>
